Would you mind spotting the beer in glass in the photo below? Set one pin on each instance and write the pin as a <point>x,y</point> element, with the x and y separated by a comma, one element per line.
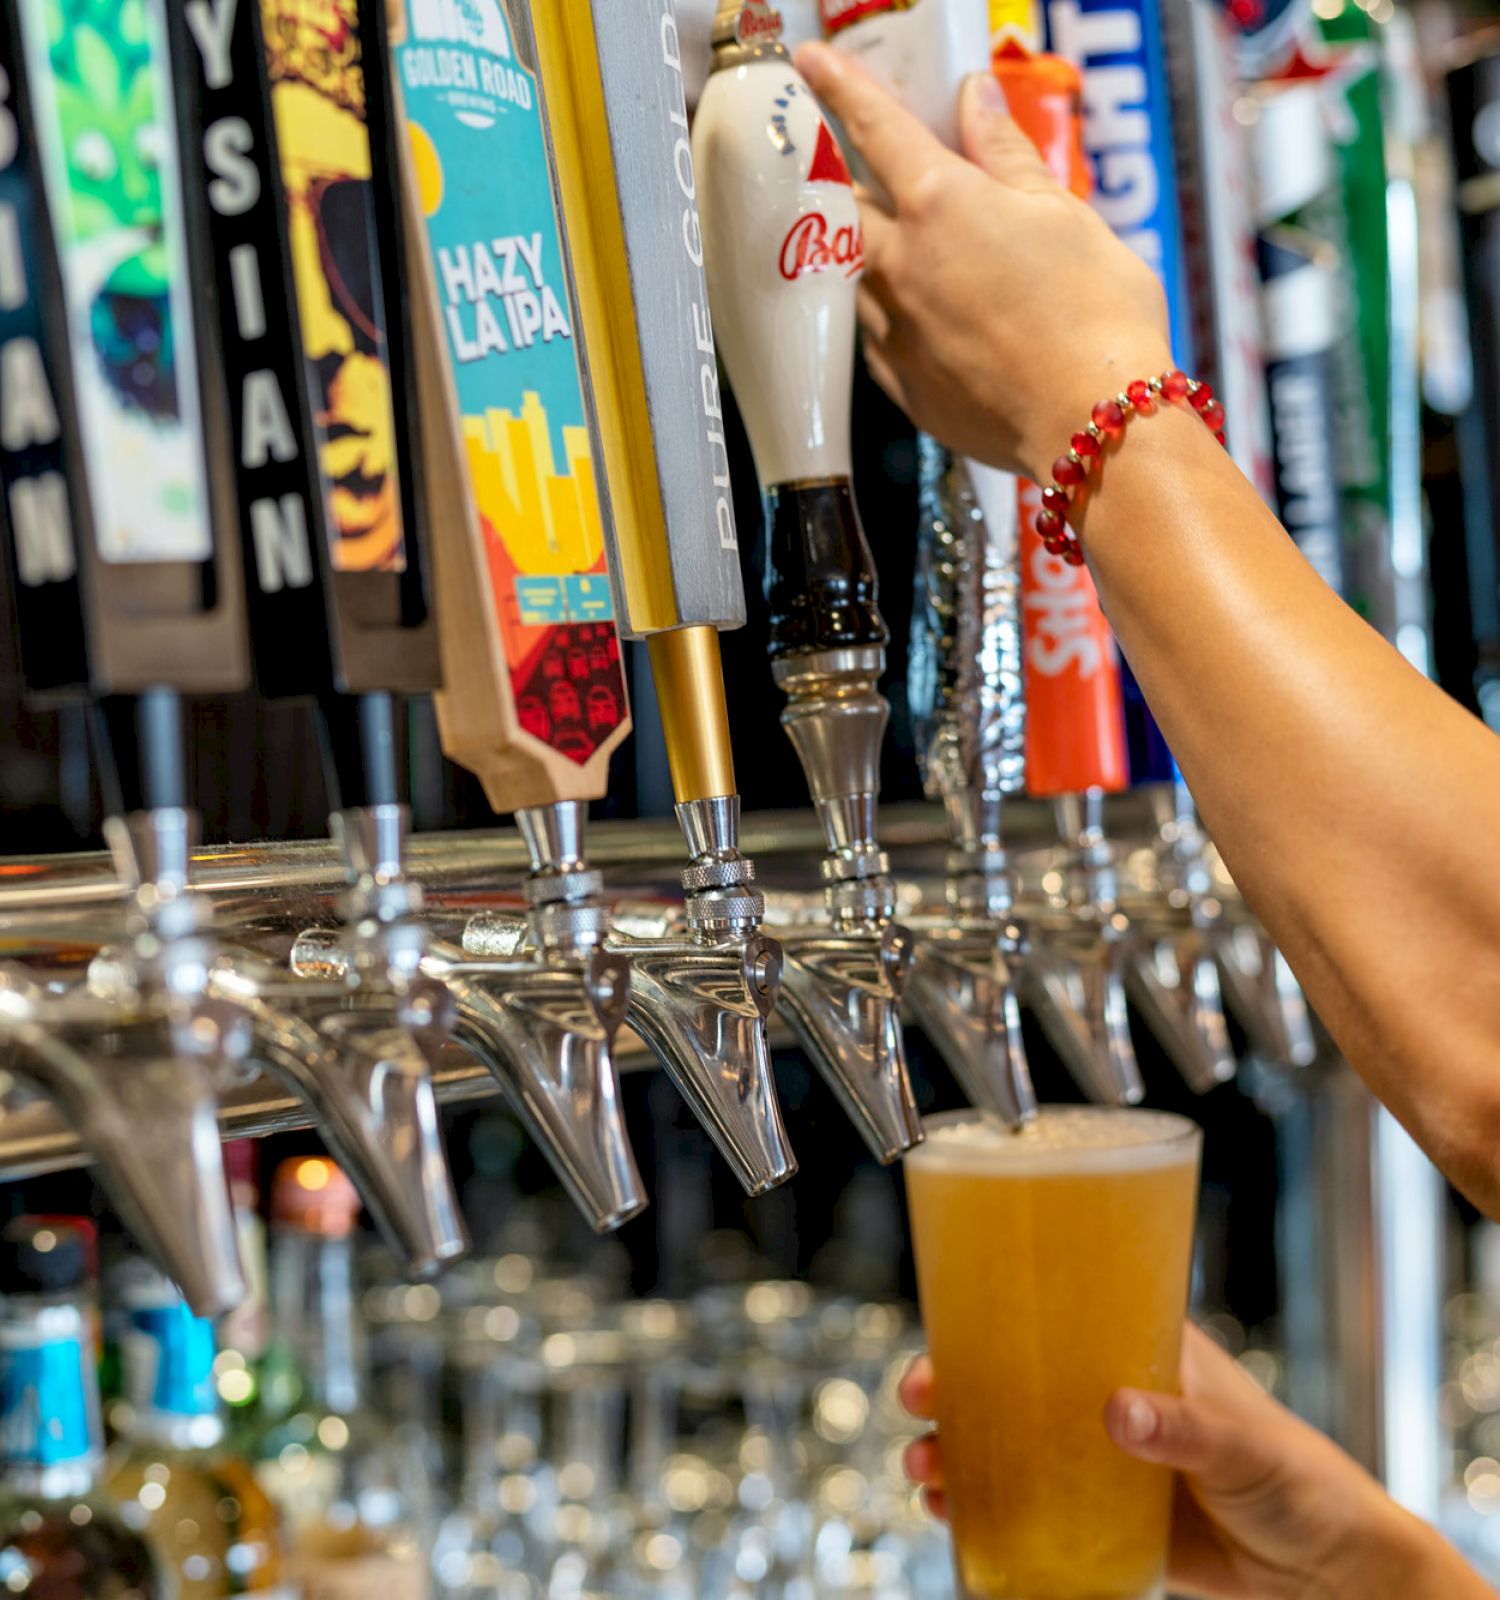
<point>1053,1266</point>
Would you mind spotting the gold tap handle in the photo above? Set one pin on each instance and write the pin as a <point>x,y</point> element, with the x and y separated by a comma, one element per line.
<point>694,717</point>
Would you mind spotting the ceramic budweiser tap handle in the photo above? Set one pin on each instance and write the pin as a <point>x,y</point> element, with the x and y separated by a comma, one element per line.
<point>784,252</point>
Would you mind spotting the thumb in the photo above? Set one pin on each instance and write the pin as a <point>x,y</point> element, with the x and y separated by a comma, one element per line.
<point>1193,1437</point>
<point>992,139</point>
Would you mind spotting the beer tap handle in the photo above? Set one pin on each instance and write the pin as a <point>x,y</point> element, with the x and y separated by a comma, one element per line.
<point>119,532</point>
<point>614,121</point>
<point>534,701</point>
<point>618,125</point>
<point>120,515</point>
<point>783,251</point>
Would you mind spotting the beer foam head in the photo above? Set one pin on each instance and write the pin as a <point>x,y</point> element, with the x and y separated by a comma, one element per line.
<point>1060,1139</point>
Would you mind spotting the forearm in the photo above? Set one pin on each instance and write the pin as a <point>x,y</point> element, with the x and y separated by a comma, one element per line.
<point>1353,801</point>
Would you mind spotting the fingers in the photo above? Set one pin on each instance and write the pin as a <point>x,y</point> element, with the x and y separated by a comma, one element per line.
<point>937,1503</point>
<point>884,373</point>
<point>916,1388</point>
<point>1195,1437</point>
<point>992,140</point>
<point>895,145</point>
<point>873,317</point>
<point>923,1462</point>
<point>877,227</point>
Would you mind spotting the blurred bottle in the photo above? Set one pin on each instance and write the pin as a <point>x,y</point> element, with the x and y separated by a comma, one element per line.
<point>58,1541</point>
<point>173,1475</point>
<point>247,1328</point>
<point>344,1486</point>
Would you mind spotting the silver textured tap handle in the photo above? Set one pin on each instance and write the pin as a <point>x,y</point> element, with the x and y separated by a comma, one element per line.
<point>966,681</point>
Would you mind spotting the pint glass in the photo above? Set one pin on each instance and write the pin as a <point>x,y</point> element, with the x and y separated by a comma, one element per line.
<point>1053,1266</point>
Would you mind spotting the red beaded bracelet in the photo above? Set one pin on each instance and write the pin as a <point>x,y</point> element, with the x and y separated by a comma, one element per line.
<point>1108,423</point>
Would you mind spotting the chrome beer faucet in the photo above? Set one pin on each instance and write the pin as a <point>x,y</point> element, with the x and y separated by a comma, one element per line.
<point>704,980</point>
<point>135,1059</point>
<point>967,693</point>
<point>1178,923</point>
<point>774,192</point>
<point>1080,951</point>
<point>540,1000</point>
<point>126,600</point>
<point>843,983</point>
<point>1258,985</point>
<point>354,1026</point>
<point>338,583</point>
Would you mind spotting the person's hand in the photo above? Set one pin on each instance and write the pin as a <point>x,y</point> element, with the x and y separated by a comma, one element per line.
<point>1266,1509</point>
<point>997,308</point>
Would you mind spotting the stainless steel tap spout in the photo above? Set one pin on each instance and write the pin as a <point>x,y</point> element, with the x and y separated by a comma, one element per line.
<point>362,1060</point>
<point>373,1026</point>
<point>1263,993</point>
<point>1080,952</point>
<point>1177,921</point>
<point>137,1076</point>
<point>701,1004</point>
<point>965,994</point>
<point>841,992</point>
<point>1174,985</point>
<point>545,1027</point>
<point>1078,996</point>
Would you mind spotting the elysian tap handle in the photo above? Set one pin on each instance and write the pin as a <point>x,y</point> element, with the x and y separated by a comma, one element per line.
<point>119,534</point>
<point>121,520</point>
<point>325,425</point>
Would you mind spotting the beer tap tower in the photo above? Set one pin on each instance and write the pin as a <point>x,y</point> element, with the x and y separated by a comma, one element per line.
<point>535,699</point>
<point>782,248</point>
<point>336,567</point>
<point>126,592</point>
<point>611,76</point>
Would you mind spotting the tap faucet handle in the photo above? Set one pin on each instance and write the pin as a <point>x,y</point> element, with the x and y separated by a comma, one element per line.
<point>967,677</point>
